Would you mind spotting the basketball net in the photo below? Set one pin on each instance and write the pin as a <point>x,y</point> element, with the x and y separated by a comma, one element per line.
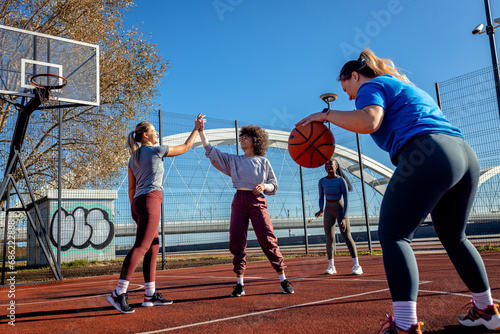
<point>49,88</point>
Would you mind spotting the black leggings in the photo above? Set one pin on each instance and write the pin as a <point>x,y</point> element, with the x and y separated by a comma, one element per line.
<point>436,174</point>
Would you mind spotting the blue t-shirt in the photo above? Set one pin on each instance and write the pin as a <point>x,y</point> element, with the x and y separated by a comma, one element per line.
<point>149,173</point>
<point>333,189</point>
<point>409,112</point>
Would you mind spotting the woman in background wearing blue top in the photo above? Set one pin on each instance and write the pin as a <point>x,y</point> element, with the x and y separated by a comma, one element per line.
<point>437,172</point>
<point>336,187</point>
<point>145,191</point>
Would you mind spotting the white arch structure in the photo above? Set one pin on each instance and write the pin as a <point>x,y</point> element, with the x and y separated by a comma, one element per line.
<point>487,173</point>
<point>279,139</point>
<point>348,158</point>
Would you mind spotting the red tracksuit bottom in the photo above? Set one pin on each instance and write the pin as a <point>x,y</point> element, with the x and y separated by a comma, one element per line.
<point>247,206</point>
<point>146,211</point>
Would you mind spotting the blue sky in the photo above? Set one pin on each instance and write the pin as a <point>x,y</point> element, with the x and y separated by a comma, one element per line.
<point>267,62</point>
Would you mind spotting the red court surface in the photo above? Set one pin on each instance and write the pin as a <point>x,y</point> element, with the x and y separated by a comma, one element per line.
<point>340,303</point>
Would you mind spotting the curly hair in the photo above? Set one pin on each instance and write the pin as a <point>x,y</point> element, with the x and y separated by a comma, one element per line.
<point>259,137</point>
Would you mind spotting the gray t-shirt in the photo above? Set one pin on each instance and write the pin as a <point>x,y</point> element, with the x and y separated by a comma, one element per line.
<point>149,173</point>
<point>245,172</point>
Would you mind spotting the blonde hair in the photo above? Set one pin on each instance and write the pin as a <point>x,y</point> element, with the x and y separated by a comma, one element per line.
<point>134,138</point>
<point>371,66</point>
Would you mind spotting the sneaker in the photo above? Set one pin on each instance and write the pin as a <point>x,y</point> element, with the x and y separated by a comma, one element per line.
<point>389,327</point>
<point>155,299</point>
<point>286,287</point>
<point>356,270</point>
<point>238,291</point>
<point>120,302</point>
<point>489,318</point>
<point>330,270</point>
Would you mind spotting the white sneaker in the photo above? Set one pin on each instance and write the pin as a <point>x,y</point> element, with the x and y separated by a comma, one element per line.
<point>330,270</point>
<point>356,270</point>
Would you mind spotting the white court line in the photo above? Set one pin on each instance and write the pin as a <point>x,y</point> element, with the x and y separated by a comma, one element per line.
<point>68,299</point>
<point>454,294</point>
<point>329,279</point>
<point>295,306</point>
<point>261,312</point>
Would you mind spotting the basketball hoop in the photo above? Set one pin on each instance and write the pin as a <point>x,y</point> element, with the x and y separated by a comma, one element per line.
<point>48,86</point>
<point>48,81</point>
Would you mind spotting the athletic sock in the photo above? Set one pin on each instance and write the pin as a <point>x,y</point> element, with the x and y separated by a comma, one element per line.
<point>150,288</point>
<point>330,262</point>
<point>483,299</point>
<point>122,286</point>
<point>282,277</point>
<point>405,314</point>
<point>355,261</point>
<point>239,280</point>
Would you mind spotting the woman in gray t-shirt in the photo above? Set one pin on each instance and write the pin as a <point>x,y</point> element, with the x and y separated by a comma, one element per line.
<point>145,189</point>
<point>251,175</point>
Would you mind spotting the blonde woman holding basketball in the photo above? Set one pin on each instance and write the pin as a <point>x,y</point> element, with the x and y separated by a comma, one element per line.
<point>437,172</point>
<point>145,189</point>
<point>335,188</point>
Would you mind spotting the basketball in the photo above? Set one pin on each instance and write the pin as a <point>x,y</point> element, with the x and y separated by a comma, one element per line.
<point>312,145</point>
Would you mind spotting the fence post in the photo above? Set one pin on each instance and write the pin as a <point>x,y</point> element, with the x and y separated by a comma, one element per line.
<point>236,130</point>
<point>438,95</point>
<point>162,218</point>
<point>306,239</point>
<point>59,191</point>
<point>361,169</point>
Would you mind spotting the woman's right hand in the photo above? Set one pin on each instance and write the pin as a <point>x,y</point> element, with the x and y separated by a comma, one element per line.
<point>318,214</point>
<point>316,117</point>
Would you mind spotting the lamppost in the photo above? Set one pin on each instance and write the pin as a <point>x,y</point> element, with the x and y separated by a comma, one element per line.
<point>490,30</point>
<point>330,97</point>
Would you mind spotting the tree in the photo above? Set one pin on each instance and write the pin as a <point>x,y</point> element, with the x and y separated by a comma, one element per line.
<point>93,137</point>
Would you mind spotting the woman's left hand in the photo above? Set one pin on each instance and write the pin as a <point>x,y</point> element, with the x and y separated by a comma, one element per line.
<point>316,117</point>
<point>258,189</point>
<point>199,122</point>
<point>343,225</point>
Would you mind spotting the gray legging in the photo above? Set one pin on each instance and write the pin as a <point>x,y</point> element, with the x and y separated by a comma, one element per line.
<point>333,212</point>
<point>436,174</point>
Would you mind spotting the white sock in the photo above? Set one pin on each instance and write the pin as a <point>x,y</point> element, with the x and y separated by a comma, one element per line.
<point>355,261</point>
<point>239,280</point>
<point>483,299</point>
<point>122,286</point>
<point>282,277</point>
<point>330,262</point>
<point>150,288</point>
<point>405,314</point>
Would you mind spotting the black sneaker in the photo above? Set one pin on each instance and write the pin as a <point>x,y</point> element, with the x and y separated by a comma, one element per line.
<point>286,287</point>
<point>120,302</point>
<point>156,299</point>
<point>238,291</point>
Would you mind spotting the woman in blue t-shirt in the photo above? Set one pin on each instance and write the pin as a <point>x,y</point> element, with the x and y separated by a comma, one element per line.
<point>335,187</point>
<point>437,172</point>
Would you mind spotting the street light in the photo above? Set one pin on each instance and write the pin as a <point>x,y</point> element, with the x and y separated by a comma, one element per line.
<point>490,30</point>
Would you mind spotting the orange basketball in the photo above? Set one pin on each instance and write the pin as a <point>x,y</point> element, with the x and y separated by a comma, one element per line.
<point>312,145</point>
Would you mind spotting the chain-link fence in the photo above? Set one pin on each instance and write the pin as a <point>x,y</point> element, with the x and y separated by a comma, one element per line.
<point>93,226</point>
<point>470,103</point>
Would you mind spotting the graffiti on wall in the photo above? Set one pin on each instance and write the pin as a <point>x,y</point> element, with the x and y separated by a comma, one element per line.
<point>82,228</point>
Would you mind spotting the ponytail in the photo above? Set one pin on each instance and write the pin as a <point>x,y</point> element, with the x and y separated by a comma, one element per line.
<point>370,66</point>
<point>134,138</point>
<point>342,175</point>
